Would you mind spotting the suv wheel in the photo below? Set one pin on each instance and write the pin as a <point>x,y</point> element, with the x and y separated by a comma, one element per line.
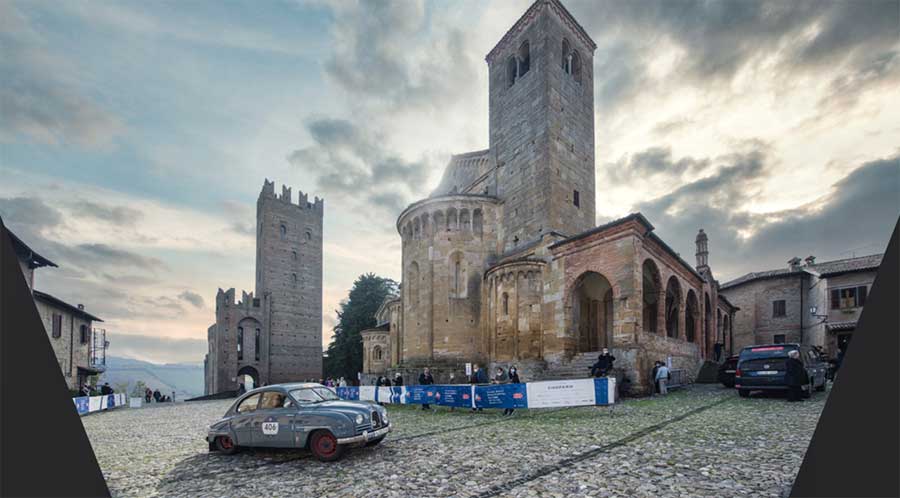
<point>324,446</point>
<point>744,393</point>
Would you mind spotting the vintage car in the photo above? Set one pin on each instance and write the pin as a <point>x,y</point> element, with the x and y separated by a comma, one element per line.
<point>306,415</point>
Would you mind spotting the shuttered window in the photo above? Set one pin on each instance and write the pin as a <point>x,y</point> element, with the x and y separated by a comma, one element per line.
<point>57,326</point>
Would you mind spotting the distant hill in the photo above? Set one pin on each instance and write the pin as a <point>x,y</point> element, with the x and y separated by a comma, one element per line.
<point>186,379</point>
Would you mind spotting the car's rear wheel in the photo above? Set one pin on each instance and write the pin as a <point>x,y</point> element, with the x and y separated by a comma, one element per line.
<point>822,387</point>
<point>744,393</point>
<point>375,442</point>
<point>324,446</point>
<point>225,444</point>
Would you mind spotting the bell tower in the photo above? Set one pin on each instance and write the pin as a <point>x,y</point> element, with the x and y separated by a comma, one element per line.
<point>541,105</point>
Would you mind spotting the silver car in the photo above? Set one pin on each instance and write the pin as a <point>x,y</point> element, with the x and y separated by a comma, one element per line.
<point>304,415</point>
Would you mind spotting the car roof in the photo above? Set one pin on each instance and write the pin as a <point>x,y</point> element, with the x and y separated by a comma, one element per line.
<point>772,345</point>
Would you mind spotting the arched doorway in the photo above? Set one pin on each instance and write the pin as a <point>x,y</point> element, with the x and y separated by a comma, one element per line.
<point>249,377</point>
<point>592,312</point>
<point>673,306</point>
<point>651,293</point>
<point>708,341</point>
<point>691,316</point>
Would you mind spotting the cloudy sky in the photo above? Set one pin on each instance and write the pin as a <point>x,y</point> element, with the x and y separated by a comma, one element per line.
<point>135,136</point>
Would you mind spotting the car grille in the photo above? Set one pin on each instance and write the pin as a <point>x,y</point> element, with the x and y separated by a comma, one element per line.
<point>377,423</point>
<point>363,428</point>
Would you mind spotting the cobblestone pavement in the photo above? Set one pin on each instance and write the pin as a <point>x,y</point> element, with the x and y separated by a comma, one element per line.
<point>700,441</point>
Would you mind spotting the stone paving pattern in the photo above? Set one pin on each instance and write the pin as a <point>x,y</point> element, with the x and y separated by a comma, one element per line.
<point>731,447</point>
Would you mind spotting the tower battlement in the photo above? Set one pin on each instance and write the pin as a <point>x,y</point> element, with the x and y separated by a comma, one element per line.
<point>286,196</point>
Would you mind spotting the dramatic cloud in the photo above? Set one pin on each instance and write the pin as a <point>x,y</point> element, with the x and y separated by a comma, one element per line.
<point>41,97</point>
<point>354,164</point>
<point>381,55</point>
<point>116,215</point>
<point>192,297</point>
<point>857,214</point>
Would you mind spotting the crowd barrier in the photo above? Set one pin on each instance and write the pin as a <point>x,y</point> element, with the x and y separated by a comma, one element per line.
<point>89,404</point>
<point>542,394</point>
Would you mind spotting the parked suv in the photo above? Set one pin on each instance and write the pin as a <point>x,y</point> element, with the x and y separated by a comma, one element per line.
<point>727,371</point>
<point>763,368</point>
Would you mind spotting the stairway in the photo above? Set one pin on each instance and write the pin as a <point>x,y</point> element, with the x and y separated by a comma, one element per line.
<point>579,367</point>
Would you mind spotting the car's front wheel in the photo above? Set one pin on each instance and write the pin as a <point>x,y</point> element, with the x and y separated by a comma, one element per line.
<point>324,446</point>
<point>225,444</point>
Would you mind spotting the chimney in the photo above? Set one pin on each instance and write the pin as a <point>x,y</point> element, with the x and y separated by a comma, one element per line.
<point>702,250</point>
<point>810,260</point>
<point>794,264</point>
<point>81,307</point>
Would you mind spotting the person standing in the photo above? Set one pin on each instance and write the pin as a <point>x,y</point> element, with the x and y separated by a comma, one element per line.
<point>156,395</point>
<point>426,379</point>
<point>148,395</point>
<point>662,378</point>
<point>794,375</point>
<point>478,377</point>
<point>398,379</point>
<point>513,379</point>
<point>653,377</point>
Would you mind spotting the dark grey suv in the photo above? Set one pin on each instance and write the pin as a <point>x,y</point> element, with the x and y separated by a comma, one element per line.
<point>762,368</point>
<point>299,416</point>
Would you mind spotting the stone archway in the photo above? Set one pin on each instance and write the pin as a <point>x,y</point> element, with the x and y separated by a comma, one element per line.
<point>250,372</point>
<point>652,289</point>
<point>673,307</point>
<point>691,317</point>
<point>592,312</point>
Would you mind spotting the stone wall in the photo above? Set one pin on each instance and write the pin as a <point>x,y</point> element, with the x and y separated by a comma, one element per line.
<point>70,351</point>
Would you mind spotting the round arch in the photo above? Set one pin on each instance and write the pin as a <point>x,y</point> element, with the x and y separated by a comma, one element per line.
<point>673,306</point>
<point>591,300</point>
<point>652,289</point>
<point>691,316</point>
<point>251,372</point>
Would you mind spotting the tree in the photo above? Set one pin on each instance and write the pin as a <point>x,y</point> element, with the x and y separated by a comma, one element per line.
<point>344,356</point>
<point>139,388</point>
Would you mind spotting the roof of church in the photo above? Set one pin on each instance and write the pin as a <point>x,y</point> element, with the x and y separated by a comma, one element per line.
<point>824,269</point>
<point>531,13</point>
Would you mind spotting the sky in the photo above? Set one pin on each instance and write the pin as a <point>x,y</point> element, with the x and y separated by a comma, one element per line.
<point>135,136</point>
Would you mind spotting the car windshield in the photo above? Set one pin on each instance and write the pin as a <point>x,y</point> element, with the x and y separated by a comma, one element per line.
<point>314,395</point>
<point>766,352</point>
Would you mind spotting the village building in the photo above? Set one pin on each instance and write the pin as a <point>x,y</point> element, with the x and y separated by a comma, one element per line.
<point>79,348</point>
<point>503,264</point>
<point>275,335</point>
<point>806,302</point>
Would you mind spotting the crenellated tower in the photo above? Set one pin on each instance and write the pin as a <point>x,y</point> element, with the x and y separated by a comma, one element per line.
<point>289,280</point>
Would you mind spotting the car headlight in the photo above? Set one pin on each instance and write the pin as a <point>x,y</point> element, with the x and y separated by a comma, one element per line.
<point>360,419</point>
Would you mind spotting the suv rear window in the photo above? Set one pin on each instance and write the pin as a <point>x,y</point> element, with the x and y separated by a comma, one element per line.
<point>777,351</point>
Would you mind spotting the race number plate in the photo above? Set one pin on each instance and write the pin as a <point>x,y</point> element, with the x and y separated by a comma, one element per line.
<point>270,428</point>
<point>767,372</point>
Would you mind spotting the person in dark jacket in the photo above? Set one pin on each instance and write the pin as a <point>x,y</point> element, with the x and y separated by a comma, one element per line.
<point>513,379</point>
<point>478,377</point>
<point>148,395</point>
<point>156,395</point>
<point>794,376</point>
<point>426,379</point>
<point>604,364</point>
<point>398,379</point>
<point>105,389</point>
<point>653,377</point>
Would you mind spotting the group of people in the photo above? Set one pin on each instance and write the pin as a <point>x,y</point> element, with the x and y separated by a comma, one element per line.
<point>155,395</point>
<point>87,390</point>
<point>661,377</point>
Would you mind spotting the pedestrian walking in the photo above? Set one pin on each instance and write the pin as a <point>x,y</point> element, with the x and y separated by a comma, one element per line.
<point>426,379</point>
<point>662,378</point>
<point>478,377</point>
<point>794,376</point>
<point>148,395</point>
<point>513,379</point>
<point>156,395</point>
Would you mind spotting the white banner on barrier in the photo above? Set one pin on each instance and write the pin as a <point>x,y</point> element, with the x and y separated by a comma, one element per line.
<point>554,393</point>
<point>367,393</point>
<point>94,404</point>
<point>611,391</point>
<point>384,394</point>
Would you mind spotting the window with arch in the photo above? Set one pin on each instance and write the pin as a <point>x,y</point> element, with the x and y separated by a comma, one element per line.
<point>294,255</point>
<point>308,236</point>
<point>85,334</point>
<point>283,231</point>
<point>505,301</point>
<point>240,343</point>
<point>256,345</point>
<point>294,279</point>
<point>377,353</point>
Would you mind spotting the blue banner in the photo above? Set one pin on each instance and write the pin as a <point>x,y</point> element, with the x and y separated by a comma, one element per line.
<point>501,396</point>
<point>82,404</point>
<point>455,395</point>
<point>350,392</point>
<point>420,395</point>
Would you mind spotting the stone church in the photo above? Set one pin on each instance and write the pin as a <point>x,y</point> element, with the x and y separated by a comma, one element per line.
<point>503,263</point>
<point>275,335</point>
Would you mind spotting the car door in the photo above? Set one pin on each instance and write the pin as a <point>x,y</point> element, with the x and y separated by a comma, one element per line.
<point>242,423</point>
<point>273,422</point>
